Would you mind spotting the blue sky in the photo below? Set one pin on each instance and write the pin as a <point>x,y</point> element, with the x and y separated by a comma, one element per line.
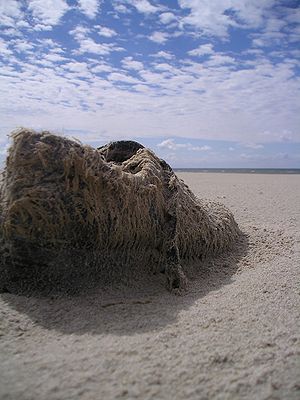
<point>204,83</point>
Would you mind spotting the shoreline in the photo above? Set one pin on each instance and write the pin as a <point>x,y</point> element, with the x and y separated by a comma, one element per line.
<point>258,171</point>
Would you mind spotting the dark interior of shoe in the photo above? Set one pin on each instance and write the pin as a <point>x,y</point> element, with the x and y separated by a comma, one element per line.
<point>120,151</point>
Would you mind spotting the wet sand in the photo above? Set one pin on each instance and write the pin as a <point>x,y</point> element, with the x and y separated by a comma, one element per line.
<point>235,334</point>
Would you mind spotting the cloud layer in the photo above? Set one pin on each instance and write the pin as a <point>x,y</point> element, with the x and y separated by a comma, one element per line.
<point>223,70</point>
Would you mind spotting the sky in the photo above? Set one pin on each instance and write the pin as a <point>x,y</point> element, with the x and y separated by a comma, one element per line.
<point>203,83</point>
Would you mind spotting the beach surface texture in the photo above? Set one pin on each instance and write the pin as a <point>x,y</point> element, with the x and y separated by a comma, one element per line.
<point>234,334</point>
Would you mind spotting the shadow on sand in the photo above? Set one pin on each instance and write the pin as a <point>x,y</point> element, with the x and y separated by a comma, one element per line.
<point>127,310</point>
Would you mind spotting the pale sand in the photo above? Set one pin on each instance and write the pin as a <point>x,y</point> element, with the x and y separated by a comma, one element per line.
<point>234,335</point>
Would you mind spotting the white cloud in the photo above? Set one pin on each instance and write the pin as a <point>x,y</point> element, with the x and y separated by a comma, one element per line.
<point>47,42</point>
<point>165,67</point>
<point>253,146</point>
<point>11,32</point>
<point>219,59</point>
<point>167,17</point>
<point>79,32</point>
<point>277,31</point>
<point>164,54</point>
<point>129,63</point>
<point>201,148</point>
<point>22,46</point>
<point>286,136</point>
<point>118,77</point>
<point>215,17</point>
<point>48,12</point>
<point>4,50</point>
<point>22,24</point>
<point>121,8</point>
<point>76,66</point>
<point>103,67</point>
<point>143,6</point>
<point>55,58</point>
<point>159,37</point>
<point>202,50</point>
<point>42,27</point>
<point>171,145</point>
<point>168,144</point>
<point>10,11</point>
<point>89,7</point>
<point>88,45</point>
<point>104,31</point>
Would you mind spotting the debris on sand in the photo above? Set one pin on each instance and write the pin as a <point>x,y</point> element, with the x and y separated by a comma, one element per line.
<point>71,215</point>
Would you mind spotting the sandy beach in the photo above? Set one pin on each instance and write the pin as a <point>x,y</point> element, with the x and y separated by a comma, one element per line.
<point>235,334</point>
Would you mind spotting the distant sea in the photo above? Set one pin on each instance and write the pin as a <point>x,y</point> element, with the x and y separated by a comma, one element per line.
<point>290,171</point>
